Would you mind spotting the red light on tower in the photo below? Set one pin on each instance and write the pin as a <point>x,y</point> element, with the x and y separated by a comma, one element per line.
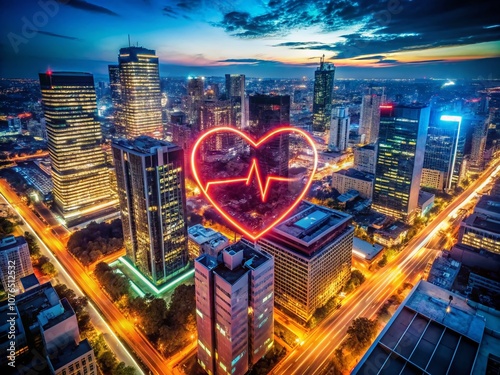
<point>386,107</point>
<point>49,71</point>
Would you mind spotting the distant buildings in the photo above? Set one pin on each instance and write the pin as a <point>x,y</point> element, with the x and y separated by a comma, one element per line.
<point>400,157</point>
<point>116,97</point>
<point>15,263</point>
<point>140,91</point>
<point>365,158</point>
<point>441,153</point>
<point>312,252</point>
<point>235,92</point>
<point>347,179</point>
<point>266,113</point>
<point>479,132</point>
<point>339,129</point>
<point>435,332</point>
<point>205,241</point>
<point>47,326</point>
<point>196,93</point>
<point>234,308</point>
<point>323,95</point>
<point>370,115</point>
<point>150,179</point>
<point>79,171</point>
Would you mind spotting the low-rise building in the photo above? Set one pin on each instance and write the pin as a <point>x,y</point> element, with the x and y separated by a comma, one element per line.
<point>443,272</point>
<point>425,202</point>
<point>393,235</point>
<point>352,179</point>
<point>365,250</point>
<point>480,231</point>
<point>202,240</point>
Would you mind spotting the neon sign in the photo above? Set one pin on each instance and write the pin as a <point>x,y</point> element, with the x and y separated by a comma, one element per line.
<point>265,184</point>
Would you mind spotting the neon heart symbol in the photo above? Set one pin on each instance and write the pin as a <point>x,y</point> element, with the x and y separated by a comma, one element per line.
<point>263,186</point>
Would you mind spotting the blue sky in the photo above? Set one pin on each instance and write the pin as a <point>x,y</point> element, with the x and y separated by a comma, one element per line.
<point>272,38</point>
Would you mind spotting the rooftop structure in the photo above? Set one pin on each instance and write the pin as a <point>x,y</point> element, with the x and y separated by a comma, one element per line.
<point>205,240</point>
<point>443,272</point>
<point>365,250</point>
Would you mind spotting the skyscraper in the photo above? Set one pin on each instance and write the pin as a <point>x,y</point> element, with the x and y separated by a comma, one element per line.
<point>440,153</point>
<point>339,129</point>
<point>370,114</point>
<point>234,308</point>
<point>268,112</point>
<point>323,95</point>
<point>115,91</point>
<point>196,92</point>
<point>79,171</point>
<point>150,179</point>
<point>312,252</point>
<point>140,91</point>
<point>479,132</point>
<point>400,158</point>
<point>15,262</point>
<point>235,91</point>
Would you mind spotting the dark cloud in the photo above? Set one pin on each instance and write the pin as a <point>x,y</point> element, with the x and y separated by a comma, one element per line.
<point>89,7</point>
<point>48,33</point>
<point>374,57</point>
<point>386,26</point>
<point>249,61</point>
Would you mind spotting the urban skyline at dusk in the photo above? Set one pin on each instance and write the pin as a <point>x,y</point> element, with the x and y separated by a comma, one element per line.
<point>279,38</point>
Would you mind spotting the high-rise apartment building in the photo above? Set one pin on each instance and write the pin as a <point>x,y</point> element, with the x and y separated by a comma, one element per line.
<point>369,120</point>
<point>312,252</point>
<point>235,92</point>
<point>400,158</point>
<point>266,113</point>
<point>323,95</point>
<point>79,171</point>
<point>140,91</point>
<point>234,308</point>
<point>150,180</point>
<point>15,262</point>
<point>339,129</point>
<point>441,153</point>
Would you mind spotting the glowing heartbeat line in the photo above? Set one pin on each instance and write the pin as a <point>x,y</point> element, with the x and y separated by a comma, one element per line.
<point>254,169</point>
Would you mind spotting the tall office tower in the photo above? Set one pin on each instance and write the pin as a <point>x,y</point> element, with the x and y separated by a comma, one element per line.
<point>266,113</point>
<point>79,171</point>
<point>479,132</point>
<point>196,92</point>
<point>434,332</point>
<point>150,179</point>
<point>235,91</point>
<point>339,129</point>
<point>115,91</point>
<point>365,158</point>
<point>312,252</point>
<point>234,308</point>
<point>369,120</point>
<point>15,262</point>
<point>441,153</point>
<point>400,158</point>
<point>323,95</point>
<point>140,91</point>
<point>216,113</point>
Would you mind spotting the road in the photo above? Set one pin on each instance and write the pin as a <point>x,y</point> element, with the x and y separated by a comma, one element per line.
<point>121,326</point>
<point>321,343</point>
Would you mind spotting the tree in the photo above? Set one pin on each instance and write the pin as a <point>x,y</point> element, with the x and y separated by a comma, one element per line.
<point>115,284</point>
<point>107,362</point>
<point>154,316</point>
<point>32,245</point>
<point>360,334</point>
<point>382,262</point>
<point>182,304</point>
<point>123,369</point>
<point>6,226</point>
<point>49,270</point>
<point>79,304</point>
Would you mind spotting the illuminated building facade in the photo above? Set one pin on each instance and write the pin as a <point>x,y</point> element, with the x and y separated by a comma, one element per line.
<point>79,172</point>
<point>312,252</point>
<point>440,153</point>
<point>115,91</point>
<point>479,132</point>
<point>339,129</point>
<point>365,158</point>
<point>266,113</point>
<point>150,180</point>
<point>400,158</point>
<point>369,120</point>
<point>196,92</point>
<point>140,91</point>
<point>14,252</point>
<point>234,308</point>
<point>235,92</point>
<point>323,95</point>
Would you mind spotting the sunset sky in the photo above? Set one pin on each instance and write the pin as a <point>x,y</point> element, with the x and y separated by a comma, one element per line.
<point>272,38</point>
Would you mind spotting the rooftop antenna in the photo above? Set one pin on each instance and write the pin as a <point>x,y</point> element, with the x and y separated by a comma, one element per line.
<point>129,40</point>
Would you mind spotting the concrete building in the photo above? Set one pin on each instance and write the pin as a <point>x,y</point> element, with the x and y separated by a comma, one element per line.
<point>443,272</point>
<point>480,231</point>
<point>393,235</point>
<point>425,202</point>
<point>235,92</point>
<point>364,250</point>
<point>15,263</point>
<point>365,158</point>
<point>150,180</point>
<point>313,253</point>
<point>479,125</point>
<point>339,130</point>
<point>204,240</point>
<point>432,332</point>
<point>234,308</point>
<point>324,77</point>
<point>352,179</point>
<point>369,120</point>
<point>400,157</point>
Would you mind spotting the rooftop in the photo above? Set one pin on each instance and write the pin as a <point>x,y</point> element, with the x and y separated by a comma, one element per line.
<point>370,146</point>
<point>70,353</point>
<point>489,205</point>
<point>49,320</point>
<point>365,249</point>
<point>483,222</point>
<point>29,281</point>
<point>144,145</point>
<point>354,173</point>
<point>424,196</point>
<point>394,230</point>
<point>443,272</point>
<point>202,235</point>
<point>8,242</point>
<point>427,334</point>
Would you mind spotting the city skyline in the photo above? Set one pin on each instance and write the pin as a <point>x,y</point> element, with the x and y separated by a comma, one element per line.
<point>274,39</point>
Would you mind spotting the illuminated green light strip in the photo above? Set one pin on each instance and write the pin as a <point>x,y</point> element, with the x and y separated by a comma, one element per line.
<point>149,283</point>
<point>137,289</point>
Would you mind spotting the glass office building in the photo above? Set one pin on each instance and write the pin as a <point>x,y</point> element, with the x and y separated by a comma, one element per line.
<point>323,95</point>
